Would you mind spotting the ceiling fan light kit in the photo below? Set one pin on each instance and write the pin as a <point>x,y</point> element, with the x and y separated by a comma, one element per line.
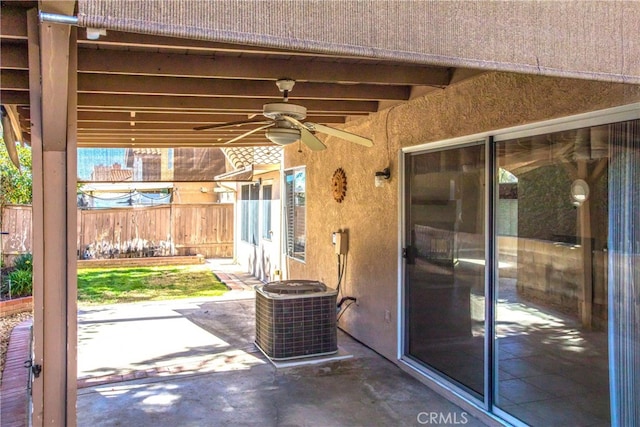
<point>283,125</point>
<point>282,136</point>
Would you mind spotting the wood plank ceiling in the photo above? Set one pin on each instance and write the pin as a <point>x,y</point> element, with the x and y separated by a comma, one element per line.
<point>149,91</point>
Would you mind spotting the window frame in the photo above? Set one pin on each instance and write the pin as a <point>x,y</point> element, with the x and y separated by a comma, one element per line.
<point>290,218</point>
<point>249,213</point>
<point>266,206</point>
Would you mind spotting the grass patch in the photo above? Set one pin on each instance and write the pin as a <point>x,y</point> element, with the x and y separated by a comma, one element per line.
<point>131,284</point>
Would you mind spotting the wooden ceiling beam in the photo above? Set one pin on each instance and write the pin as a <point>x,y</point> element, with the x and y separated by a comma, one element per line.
<point>14,56</point>
<point>185,86</point>
<point>132,102</point>
<point>160,127</point>
<point>141,143</point>
<point>331,116</point>
<point>17,80</point>
<point>14,97</point>
<point>133,137</point>
<point>13,79</point>
<point>13,23</point>
<point>163,64</point>
<point>146,41</point>
<point>172,118</point>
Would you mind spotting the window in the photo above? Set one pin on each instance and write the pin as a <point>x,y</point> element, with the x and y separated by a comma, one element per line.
<point>266,212</point>
<point>295,197</point>
<point>249,196</point>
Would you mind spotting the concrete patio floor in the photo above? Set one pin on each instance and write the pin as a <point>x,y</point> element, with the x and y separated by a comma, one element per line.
<point>193,363</point>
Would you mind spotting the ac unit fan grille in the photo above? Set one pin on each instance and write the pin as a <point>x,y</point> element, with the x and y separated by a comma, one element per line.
<point>293,327</point>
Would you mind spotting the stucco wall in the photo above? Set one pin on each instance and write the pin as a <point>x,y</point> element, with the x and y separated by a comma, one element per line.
<point>488,102</point>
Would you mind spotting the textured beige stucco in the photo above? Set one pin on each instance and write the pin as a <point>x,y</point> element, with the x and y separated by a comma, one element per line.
<point>488,102</point>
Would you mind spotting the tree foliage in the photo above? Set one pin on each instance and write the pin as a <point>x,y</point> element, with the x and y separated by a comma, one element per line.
<point>16,185</point>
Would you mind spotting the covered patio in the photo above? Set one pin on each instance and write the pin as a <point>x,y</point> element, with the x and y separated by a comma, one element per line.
<point>206,371</point>
<point>118,74</point>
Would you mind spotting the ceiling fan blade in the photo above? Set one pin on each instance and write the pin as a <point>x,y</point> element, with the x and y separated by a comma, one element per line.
<point>231,124</point>
<point>252,131</point>
<point>306,137</point>
<point>347,136</point>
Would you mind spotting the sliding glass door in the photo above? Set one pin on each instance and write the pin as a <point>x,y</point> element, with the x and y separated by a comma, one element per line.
<point>537,320</point>
<point>445,286</point>
<point>551,359</point>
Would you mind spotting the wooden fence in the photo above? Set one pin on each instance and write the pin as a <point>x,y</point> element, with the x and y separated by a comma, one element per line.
<point>16,222</point>
<point>169,230</point>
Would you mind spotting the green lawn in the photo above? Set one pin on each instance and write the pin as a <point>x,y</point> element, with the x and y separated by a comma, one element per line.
<point>131,284</point>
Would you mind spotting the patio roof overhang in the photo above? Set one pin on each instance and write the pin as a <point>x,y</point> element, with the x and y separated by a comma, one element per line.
<point>164,67</point>
<point>123,187</point>
<point>247,173</point>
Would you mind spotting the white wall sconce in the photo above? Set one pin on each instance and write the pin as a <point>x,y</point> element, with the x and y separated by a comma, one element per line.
<point>382,177</point>
<point>579,192</point>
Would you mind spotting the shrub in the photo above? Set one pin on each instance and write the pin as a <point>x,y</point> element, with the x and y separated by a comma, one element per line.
<point>21,283</point>
<point>24,262</point>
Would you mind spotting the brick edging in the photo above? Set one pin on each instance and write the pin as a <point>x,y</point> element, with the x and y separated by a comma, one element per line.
<point>141,262</point>
<point>16,305</point>
<point>15,378</point>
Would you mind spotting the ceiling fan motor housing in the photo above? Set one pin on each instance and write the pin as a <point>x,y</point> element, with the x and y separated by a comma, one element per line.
<point>275,110</point>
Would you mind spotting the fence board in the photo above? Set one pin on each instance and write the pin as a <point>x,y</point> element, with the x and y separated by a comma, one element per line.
<point>16,220</point>
<point>188,229</point>
<point>158,231</point>
<point>204,229</point>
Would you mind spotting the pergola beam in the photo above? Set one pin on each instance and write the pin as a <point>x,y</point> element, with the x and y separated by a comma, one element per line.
<point>99,118</point>
<point>244,68</point>
<point>231,67</point>
<point>194,103</point>
<point>13,79</point>
<point>143,143</point>
<point>211,66</point>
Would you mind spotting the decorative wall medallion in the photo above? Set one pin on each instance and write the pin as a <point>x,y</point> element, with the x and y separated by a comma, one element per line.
<point>339,185</point>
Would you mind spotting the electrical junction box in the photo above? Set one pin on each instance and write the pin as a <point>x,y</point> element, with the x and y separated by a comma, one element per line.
<point>340,242</point>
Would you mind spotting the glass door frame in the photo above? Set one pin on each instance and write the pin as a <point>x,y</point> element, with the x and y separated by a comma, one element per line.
<point>402,353</point>
<point>487,404</point>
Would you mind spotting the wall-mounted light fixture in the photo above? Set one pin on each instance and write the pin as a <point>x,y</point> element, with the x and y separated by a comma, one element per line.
<point>382,177</point>
<point>579,192</point>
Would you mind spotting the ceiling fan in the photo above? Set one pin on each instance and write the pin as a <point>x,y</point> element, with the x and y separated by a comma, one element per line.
<point>283,124</point>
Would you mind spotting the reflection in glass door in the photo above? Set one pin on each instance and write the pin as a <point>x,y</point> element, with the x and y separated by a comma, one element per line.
<point>562,287</point>
<point>445,272</point>
<point>551,364</point>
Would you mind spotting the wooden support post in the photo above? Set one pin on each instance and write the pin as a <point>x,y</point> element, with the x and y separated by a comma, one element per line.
<point>52,74</point>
